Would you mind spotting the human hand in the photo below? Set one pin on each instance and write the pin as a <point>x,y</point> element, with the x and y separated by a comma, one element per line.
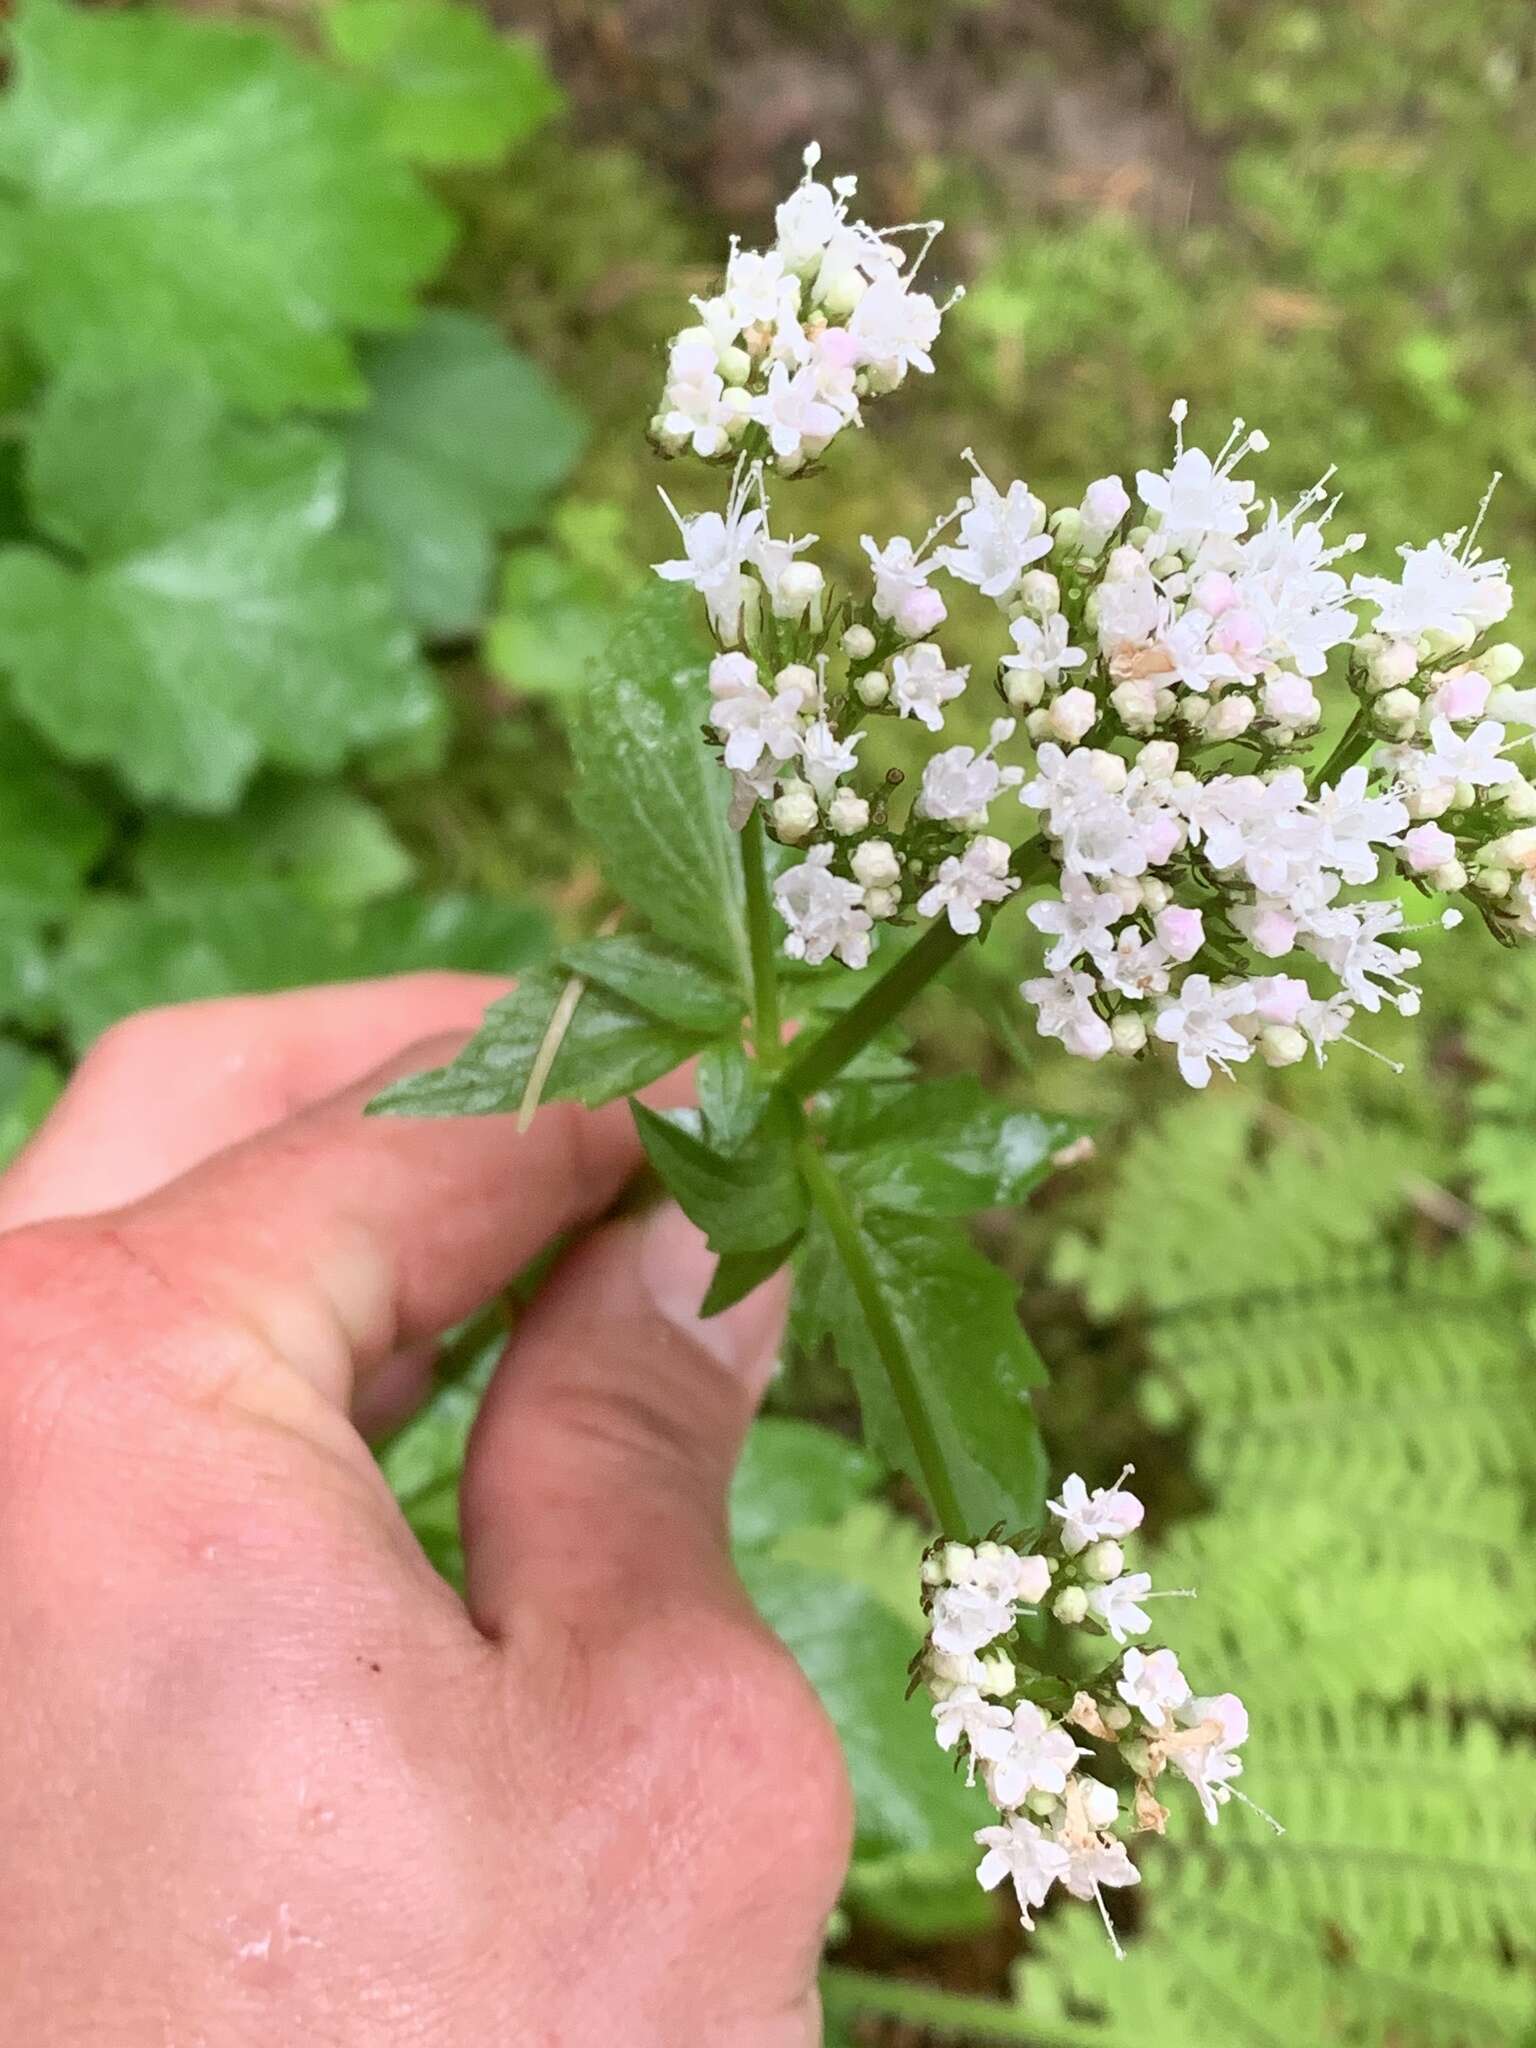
<point>263,1778</point>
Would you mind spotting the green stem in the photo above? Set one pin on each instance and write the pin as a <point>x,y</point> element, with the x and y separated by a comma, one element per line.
<point>1357,740</point>
<point>826,1192</point>
<point>815,1064</point>
<point>767,1032</point>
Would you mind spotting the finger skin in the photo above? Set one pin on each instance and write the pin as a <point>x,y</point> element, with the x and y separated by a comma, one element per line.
<point>165,1090</point>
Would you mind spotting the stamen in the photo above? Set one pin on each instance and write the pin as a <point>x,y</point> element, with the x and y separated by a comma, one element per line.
<point>1254,1807</point>
<point>1482,513</point>
<point>1109,1925</point>
<point>1370,1051</point>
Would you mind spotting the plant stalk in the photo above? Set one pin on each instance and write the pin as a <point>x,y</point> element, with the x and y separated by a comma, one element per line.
<point>767,1030</point>
<point>1356,740</point>
<point>813,1065</point>
<point>826,1192</point>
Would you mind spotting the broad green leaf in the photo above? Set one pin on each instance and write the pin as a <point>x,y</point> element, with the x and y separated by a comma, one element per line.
<point>449,90</point>
<point>325,842</point>
<point>748,1200</point>
<point>553,619</point>
<point>732,1094</point>
<point>191,196</point>
<point>52,832</point>
<point>792,1474</point>
<point>609,1049</point>
<point>738,1273</point>
<point>29,1087</point>
<point>940,1148</point>
<point>657,979</point>
<point>958,1321</point>
<point>648,791</point>
<point>207,617</point>
<point>855,1652</point>
<point>124,954</point>
<point>923,1895</point>
<point>464,439</point>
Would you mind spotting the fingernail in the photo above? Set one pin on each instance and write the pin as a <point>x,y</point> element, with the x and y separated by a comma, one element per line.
<point>676,1267</point>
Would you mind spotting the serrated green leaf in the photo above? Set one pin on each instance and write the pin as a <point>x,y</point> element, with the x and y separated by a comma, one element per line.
<point>747,1200</point>
<point>325,842</point>
<point>738,1273</point>
<point>216,620</point>
<point>463,439</point>
<point>958,1320</point>
<point>648,791</point>
<point>940,1148</point>
<point>195,197</point>
<point>123,954</point>
<point>657,979</point>
<point>791,1474</point>
<point>609,1049</point>
<point>732,1094</point>
<point>52,831</point>
<point>448,89</point>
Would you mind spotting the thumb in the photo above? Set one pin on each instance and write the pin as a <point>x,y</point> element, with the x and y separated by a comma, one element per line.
<point>609,1435</point>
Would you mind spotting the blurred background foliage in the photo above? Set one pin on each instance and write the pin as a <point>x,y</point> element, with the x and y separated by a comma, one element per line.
<point>327,332</point>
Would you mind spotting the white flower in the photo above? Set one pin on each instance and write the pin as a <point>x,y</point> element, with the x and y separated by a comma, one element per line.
<point>1093,1863</point>
<point>987,1730</point>
<point>1218,1724</point>
<point>1087,1517</point>
<point>922,682</point>
<point>995,1569</point>
<point>826,758</point>
<point>1000,536</point>
<point>1063,1005</point>
<point>1081,919</point>
<point>1026,1854</point>
<point>894,327</point>
<point>899,572</point>
<point>695,412</point>
<point>1152,1684</point>
<point>750,720</point>
<point>1197,1020</point>
<point>1197,499</point>
<point>1441,590</point>
<point>1475,757</point>
<point>1194,658</point>
<point>1349,938</point>
<point>1043,650</point>
<point>824,912</point>
<point>1285,584</point>
<point>967,881</point>
<point>966,1619</point>
<point>1105,504</point>
<point>959,783</point>
<point>1116,1605</point>
<point>796,413</point>
<point>758,290</point>
<point>1354,823</point>
<point>715,549</point>
<point>1130,609</point>
<point>1039,1758</point>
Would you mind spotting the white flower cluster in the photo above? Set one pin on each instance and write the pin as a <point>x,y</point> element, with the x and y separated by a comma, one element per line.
<point>1209,897</point>
<point>782,356</point>
<point>1019,1733</point>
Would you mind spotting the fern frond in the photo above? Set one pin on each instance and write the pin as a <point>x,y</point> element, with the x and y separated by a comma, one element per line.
<point>1500,1148</point>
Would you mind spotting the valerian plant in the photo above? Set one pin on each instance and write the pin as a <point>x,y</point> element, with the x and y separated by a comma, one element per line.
<point>1205,894</point>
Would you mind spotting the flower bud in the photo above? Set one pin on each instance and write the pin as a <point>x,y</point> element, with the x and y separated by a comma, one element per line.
<point>932,1573</point>
<point>1116,1717</point>
<point>1104,1560</point>
<point>1040,591</point>
<point>735,365</point>
<point>1042,1804</point>
<point>1397,711</point>
<point>1230,717</point>
<point>959,1561</point>
<point>1448,878</point>
<point>998,1677</point>
<point>1167,565</point>
<point>1427,846</point>
<point>1136,1756</point>
<point>919,613</point>
<point>858,643</point>
<point>1494,882</point>
<point>795,675</point>
<point>797,590</point>
<point>1391,665</point>
<point>1101,1803</point>
<point>844,293</point>
<point>1448,639</point>
<point>1071,1603</point>
<point>1518,797</point>
<point>1515,849</point>
<point>1135,703</point>
<point>874,688</point>
<point>1501,664</point>
<point>1038,724</point>
<point>881,903</point>
<point>1282,1045</point>
<point>795,814</point>
<point>847,812</point>
<point>875,864</point>
<point>1067,525</point>
<point>1023,687</point>
<point>1158,759</point>
<point>1072,716</point>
